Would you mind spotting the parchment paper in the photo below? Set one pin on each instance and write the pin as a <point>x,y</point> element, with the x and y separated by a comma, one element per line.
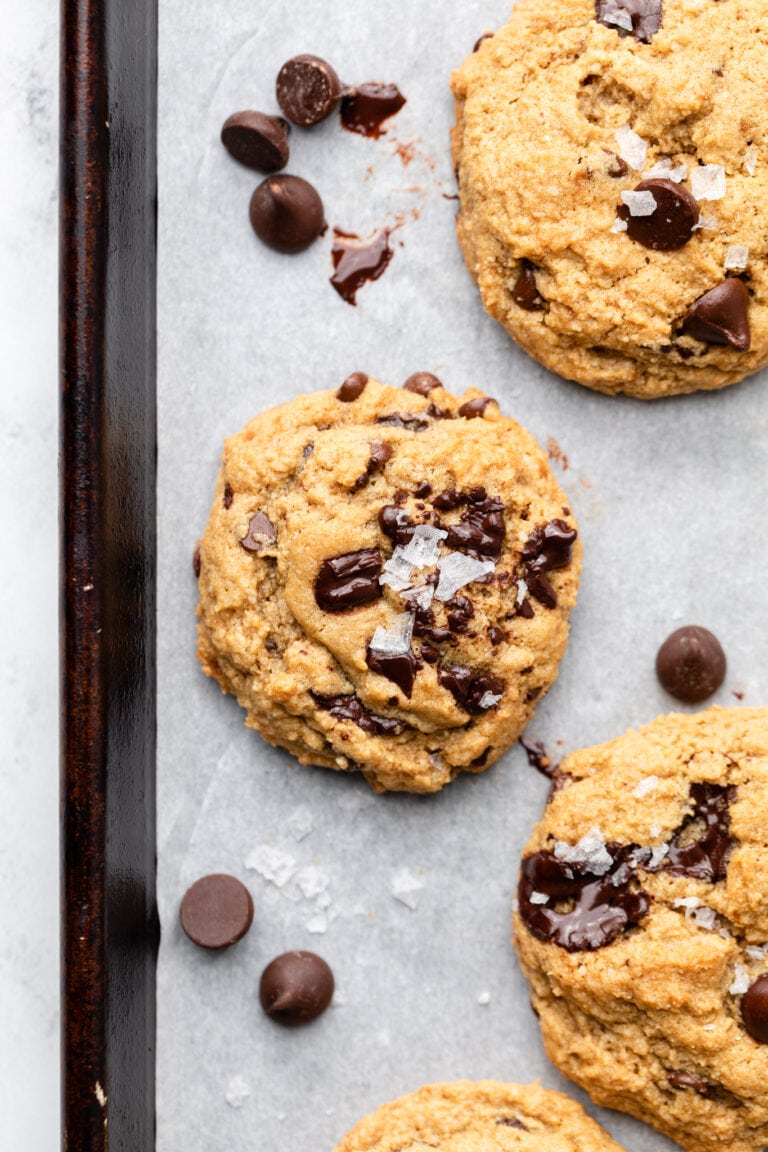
<point>670,499</point>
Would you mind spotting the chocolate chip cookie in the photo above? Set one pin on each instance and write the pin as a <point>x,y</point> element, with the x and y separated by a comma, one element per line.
<point>385,579</point>
<point>642,926</point>
<point>485,1116</point>
<point>612,159</point>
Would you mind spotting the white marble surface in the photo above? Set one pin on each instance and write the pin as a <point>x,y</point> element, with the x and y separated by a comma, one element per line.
<point>29,1108</point>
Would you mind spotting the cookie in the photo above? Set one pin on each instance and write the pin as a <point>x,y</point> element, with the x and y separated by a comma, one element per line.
<point>385,579</point>
<point>485,1116</point>
<point>612,161</point>
<point>642,926</point>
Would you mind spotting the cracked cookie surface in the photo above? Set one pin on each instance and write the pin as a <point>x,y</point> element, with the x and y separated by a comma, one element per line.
<point>642,926</point>
<point>553,218</point>
<point>385,580</point>
<point>484,1116</point>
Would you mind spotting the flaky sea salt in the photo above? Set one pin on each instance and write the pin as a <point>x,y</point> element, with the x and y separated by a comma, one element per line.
<point>639,203</point>
<point>750,160</point>
<point>420,597</point>
<point>590,851</point>
<point>273,864</point>
<point>705,223</point>
<point>237,1092</point>
<point>757,951</point>
<point>619,17</point>
<point>705,918</point>
<point>522,592</point>
<point>484,998</point>
<point>317,925</point>
<point>686,902</point>
<point>538,898</point>
<point>311,880</point>
<point>397,572</point>
<point>456,570</point>
<point>736,257</point>
<point>646,785</point>
<point>489,700</point>
<point>740,981</point>
<point>300,823</point>
<point>708,182</point>
<point>423,548</point>
<point>657,855</point>
<point>663,170</point>
<point>395,640</point>
<point>619,225</point>
<point>632,148</point>
<point>406,887</point>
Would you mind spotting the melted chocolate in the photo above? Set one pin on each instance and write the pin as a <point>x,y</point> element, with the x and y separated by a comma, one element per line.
<point>395,524</point>
<point>481,530</point>
<point>547,547</point>
<point>707,857</point>
<point>472,409</point>
<point>449,499</point>
<point>468,687</point>
<point>398,420</point>
<point>644,14</point>
<point>539,758</point>
<point>365,109</point>
<point>356,263</point>
<point>689,1080</point>
<point>352,708</point>
<point>261,531</point>
<point>349,580</point>
<point>400,669</point>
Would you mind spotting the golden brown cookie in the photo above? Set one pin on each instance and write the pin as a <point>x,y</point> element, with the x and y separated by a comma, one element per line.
<point>385,580</point>
<point>485,1116</point>
<point>613,179</point>
<point>642,926</point>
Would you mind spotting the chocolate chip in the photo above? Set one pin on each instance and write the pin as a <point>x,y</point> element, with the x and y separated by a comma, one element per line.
<point>602,907</point>
<point>261,532</point>
<point>352,388</point>
<point>689,1080</point>
<point>691,664</point>
<point>287,213</point>
<point>672,221</point>
<point>430,654</point>
<point>380,452</point>
<point>495,635</point>
<point>705,858</point>
<point>525,293</point>
<point>366,107</point>
<point>307,450</point>
<point>480,761</point>
<point>541,590</point>
<point>549,546</point>
<point>350,707</point>
<point>307,89</point>
<point>256,140</point>
<point>228,496</point>
<point>295,988</point>
<point>481,530</point>
<point>196,562</point>
<point>401,669</point>
<point>270,644</point>
<point>216,911</point>
<point>720,316</point>
<point>356,263</point>
<point>422,489</point>
<point>472,409</point>
<point>539,758</point>
<point>644,14</point>
<point>468,688</point>
<point>617,167</point>
<point>449,499</point>
<point>754,1009</point>
<point>422,383</point>
<point>460,612</point>
<point>525,610</point>
<point>398,420</point>
<point>436,413</point>
<point>512,1122</point>
<point>349,580</point>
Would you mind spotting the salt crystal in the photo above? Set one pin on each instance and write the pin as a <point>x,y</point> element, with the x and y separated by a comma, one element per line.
<point>750,160</point>
<point>590,850</point>
<point>395,640</point>
<point>489,700</point>
<point>657,855</point>
<point>522,592</point>
<point>323,901</point>
<point>639,203</point>
<point>406,887</point>
<point>740,981</point>
<point>663,170</point>
<point>300,823</point>
<point>538,898</point>
<point>705,918</point>
<point>397,572</point>
<point>708,182</point>
<point>273,864</point>
<point>423,548</point>
<point>686,902</point>
<point>311,881</point>
<point>705,222</point>
<point>421,596</point>
<point>317,925</point>
<point>617,16</point>
<point>736,257</point>
<point>619,225</point>
<point>484,998</point>
<point>632,148</point>
<point>756,952</point>
<point>456,570</point>
<point>725,933</point>
<point>646,785</point>
<point>237,1092</point>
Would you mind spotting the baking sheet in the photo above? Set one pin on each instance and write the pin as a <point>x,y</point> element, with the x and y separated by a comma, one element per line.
<point>408,898</point>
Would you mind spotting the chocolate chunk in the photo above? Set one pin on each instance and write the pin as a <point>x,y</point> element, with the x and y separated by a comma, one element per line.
<point>436,413</point>
<point>541,590</point>
<point>261,532</point>
<point>409,421</point>
<point>350,707</point>
<point>422,383</point>
<point>472,409</point>
<point>287,213</point>
<point>228,496</point>
<point>307,90</point>
<point>295,988</point>
<point>672,221</point>
<point>689,1080</point>
<point>429,654</point>
<point>449,499</point>
<point>395,524</point>
<point>754,1009</point>
<point>549,546</point>
<point>601,907</point>
<point>705,858</point>
<point>644,14</point>
<point>539,758</point>
<point>720,316</point>
<point>365,108</point>
<point>480,761</point>
<point>356,263</point>
<point>352,388</point>
<point>423,489</point>
<point>469,688</point>
<point>349,580</point>
<point>400,669</point>
<point>691,664</point>
<point>256,140</point>
<point>216,911</point>
<point>196,562</point>
<point>460,612</point>
<point>380,452</point>
<point>481,530</point>
<point>525,293</point>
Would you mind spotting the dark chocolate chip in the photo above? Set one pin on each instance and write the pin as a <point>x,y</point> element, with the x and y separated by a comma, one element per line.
<point>449,499</point>
<point>256,140</point>
<point>228,496</point>
<point>287,213</point>
<point>512,1122</point>
<point>671,224</point>
<point>539,758</point>
<point>398,420</point>
<point>422,489</point>
<point>472,409</point>
<point>481,530</point>
<point>422,383</point>
<point>480,761</point>
<point>705,858</point>
<point>644,14</point>
<point>400,669</point>
<point>395,524</point>
<point>549,546</point>
<point>295,988</point>
<point>525,610</point>
<point>349,580</point>
<point>261,532</point>
<point>525,293</point>
<point>754,1009</point>
<point>216,911</point>
<point>270,644</point>
<point>307,90</point>
<point>380,452</point>
<point>196,562</point>
<point>721,316</point>
<point>365,109</point>
<point>356,263</point>
<point>495,635</point>
<point>352,388</point>
<point>689,1080</point>
<point>602,907</point>
<point>468,688</point>
<point>541,590</point>
<point>350,707</point>
<point>691,664</point>
<point>307,450</point>
<point>429,654</point>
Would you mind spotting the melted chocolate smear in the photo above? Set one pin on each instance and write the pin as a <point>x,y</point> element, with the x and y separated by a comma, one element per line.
<point>525,293</point>
<point>689,1080</point>
<point>449,499</point>
<point>707,857</point>
<point>644,14</point>
<point>356,262</point>
<point>261,531</point>
<point>400,669</point>
<point>473,409</point>
<point>468,688</point>
<point>539,758</point>
<point>481,530</point>
<point>366,108</point>
<point>196,562</point>
<point>547,547</point>
<point>352,708</point>
<point>409,421</point>
<point>349,580</point>
<point>603,906</point>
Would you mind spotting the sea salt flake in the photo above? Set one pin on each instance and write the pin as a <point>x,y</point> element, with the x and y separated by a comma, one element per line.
<point>397,572</point>
<point>657,855</point>
<point>686,902</point>
<point>484,998</point>
<point>705,918</point>
<point>395,640</point>
<point>237,1092</point>
<point>740,981</point>
<point>708,1027</point>
<point>300,823</point>
<point>708,182</point>
<point>538,898</point>
<point>273,864</point>
<point>725,933</point>
<point>489,700</point>
<point>646,785</point>
<point>423,548</point>
<point>311,881</point>
<point>522,592</point>
<point>317,925</point>
<point>663,170</point>
<point>639,203</point>
<point>456,570</point>
<point>617,16</point>
<point>705,223</point>
<point>632,148</point>
<point>757,951</point>
<point>750,160</point>
<point>405,887</point>
<point>736,257</point>
<point>619,225</point>
<point>590,850</point>
<point>421,596</point>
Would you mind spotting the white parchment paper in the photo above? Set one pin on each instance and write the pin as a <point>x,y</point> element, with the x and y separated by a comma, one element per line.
<point>407,898</point>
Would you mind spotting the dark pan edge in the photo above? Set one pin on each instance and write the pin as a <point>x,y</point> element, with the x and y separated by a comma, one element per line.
<point>108,449</point>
